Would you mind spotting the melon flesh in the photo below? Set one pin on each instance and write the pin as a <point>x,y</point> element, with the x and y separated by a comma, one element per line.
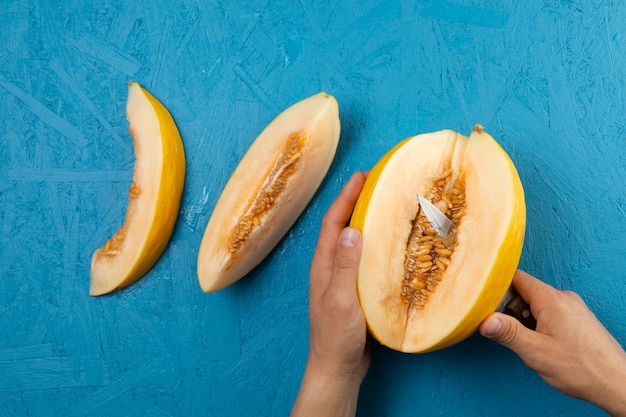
<point>153,198</point>
<point>484,255</point>
<point>269,189</point>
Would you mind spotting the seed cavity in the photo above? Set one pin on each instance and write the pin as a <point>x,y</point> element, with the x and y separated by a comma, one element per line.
<point>114,245</point>
<point>427,257</point>
<point>286,164</point>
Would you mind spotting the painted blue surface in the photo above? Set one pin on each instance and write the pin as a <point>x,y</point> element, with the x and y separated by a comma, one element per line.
<point>546,80</point>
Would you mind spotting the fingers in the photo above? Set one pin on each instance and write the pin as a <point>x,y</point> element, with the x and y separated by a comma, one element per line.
<point>509,332</point>
<point>340,211</point>
<point>333,223</point>
<point>346,264</point>
<point>530,288</point>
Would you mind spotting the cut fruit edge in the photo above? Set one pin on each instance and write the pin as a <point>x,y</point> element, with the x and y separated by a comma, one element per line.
<point>314,122</point>
<point>485,294</point>
<point>153,198</point>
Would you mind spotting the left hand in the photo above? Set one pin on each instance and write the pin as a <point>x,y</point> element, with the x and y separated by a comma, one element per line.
<point>338,330</point>
<point>338,350</point>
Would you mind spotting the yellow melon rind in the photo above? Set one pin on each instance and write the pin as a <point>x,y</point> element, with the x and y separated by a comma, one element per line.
<point>482,267</point>
<point>154,196</point>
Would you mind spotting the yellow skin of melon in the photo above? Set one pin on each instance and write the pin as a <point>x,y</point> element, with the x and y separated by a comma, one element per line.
<point>314,122</point>
<point>154,196</point>
<point>489,238</point>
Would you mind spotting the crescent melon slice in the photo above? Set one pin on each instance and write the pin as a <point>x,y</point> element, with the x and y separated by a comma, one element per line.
<point>153,198</point>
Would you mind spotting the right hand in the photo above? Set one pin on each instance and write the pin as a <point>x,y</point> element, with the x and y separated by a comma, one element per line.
<point>570,349</point>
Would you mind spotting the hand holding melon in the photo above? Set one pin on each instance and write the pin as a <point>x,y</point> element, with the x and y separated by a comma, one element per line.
<point>338,354</point>
<point>571,350</point>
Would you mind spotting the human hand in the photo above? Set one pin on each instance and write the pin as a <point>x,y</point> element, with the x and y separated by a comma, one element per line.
<point>570,349</point>
<point>338,353</point>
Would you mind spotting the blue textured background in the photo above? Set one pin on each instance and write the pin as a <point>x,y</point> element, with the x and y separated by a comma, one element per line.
<point>546,80</point>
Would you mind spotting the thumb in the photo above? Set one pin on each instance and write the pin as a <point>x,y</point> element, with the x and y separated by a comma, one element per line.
<point>507,331</point>
<point>346,260</point>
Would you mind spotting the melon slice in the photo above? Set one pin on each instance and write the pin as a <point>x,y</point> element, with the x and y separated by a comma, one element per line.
<point>269,189</point>
<point>417,293</point>
<point>153,198</point>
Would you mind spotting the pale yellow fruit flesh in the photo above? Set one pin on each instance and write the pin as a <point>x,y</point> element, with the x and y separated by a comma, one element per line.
<point>154,196</point>
<point>488,245</point>
<point>288,160</point>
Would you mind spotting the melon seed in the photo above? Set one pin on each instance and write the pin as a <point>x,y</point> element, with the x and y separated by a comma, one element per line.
<point>426,256</point>
<point>134,190</point>
<point>285,166</point>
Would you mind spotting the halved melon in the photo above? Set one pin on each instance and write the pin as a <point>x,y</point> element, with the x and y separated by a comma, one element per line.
<point>417,293</point>
<point>153,198</point>
<point>269,189</point>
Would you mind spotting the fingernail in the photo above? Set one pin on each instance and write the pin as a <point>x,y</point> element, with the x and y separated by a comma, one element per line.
<point>492,327</point>
<point>349,237</point>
